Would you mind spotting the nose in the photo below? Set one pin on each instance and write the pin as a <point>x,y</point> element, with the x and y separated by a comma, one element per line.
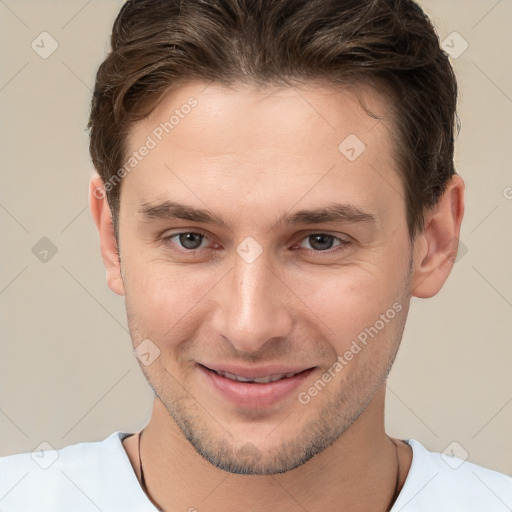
<point>253,305</point>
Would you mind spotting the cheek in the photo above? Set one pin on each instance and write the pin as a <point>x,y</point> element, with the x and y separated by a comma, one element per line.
<point>351,303</point>
<point>163,298</point>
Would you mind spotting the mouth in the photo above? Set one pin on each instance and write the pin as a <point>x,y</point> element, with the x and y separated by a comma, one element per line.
<point>257,380</point>
<point>253,387</point>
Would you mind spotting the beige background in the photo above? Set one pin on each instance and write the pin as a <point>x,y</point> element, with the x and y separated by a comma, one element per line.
<point>67,373</point>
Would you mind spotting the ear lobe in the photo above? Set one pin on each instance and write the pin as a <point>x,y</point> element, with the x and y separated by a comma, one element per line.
<point>436,248</point>
<point>102,216</point>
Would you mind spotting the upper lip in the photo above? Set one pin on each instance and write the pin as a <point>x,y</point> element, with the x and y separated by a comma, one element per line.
<point>255,372</point>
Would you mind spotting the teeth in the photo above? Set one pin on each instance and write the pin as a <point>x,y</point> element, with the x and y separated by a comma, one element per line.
<point>259,380</point>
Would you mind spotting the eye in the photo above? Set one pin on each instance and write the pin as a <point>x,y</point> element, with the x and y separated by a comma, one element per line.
<point>322,242</point>
<point>189,240</point>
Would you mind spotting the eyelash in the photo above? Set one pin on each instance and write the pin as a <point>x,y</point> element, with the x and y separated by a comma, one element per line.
<point>343,243</point>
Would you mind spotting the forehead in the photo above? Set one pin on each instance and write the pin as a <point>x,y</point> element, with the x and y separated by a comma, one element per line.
<point>256,114</point>
<point>273,147</point>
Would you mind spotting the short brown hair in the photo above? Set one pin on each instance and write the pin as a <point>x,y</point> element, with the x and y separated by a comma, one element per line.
<point>389,44</point>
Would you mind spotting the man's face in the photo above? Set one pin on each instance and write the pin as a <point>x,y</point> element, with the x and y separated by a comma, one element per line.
<point>261,295</point>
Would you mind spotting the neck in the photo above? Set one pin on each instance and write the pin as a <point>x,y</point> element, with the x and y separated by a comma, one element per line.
<point>357,472</point>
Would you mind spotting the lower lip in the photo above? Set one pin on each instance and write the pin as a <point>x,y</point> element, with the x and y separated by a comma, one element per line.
<point>253,394</point>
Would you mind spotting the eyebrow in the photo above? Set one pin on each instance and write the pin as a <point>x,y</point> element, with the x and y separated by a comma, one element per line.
<point>335,212</point>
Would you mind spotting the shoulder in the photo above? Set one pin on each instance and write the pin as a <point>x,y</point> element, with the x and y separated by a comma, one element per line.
<point>79,477</point>
<point>440,482</point>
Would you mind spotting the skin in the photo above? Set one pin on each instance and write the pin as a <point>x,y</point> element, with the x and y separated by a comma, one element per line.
<point>250,156</point>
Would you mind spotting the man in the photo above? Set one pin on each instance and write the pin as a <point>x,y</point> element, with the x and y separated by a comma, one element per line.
<point>275,182</point>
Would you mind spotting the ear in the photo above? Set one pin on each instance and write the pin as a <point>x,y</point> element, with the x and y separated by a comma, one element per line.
<point>436,248</point>
<point>102,216</point>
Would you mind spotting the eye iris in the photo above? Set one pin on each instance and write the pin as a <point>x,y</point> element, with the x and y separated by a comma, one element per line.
<point>191,240</point>
<point>324,241</point>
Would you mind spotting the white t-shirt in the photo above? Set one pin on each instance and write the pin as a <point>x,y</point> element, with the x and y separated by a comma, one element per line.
<point>98,476</point>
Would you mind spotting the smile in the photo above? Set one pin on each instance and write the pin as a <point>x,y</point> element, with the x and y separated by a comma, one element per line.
<point>258,380</point>
<point>253,388</point>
